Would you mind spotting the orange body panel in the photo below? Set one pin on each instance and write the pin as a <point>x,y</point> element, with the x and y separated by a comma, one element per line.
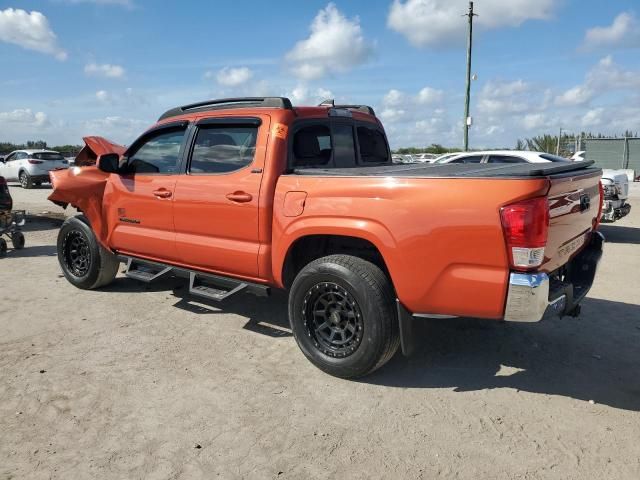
<point>441,238</point>
<point>444,250</point>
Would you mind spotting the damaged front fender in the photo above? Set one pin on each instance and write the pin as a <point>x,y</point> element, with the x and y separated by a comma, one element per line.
<point>85,189</point>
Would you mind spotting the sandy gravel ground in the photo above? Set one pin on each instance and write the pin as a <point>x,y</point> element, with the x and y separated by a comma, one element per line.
<point>137,381</point>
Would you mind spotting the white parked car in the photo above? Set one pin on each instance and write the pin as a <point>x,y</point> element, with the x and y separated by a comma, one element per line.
<point>31,167</point>
<point>425,157</point>
<point>500,156</point>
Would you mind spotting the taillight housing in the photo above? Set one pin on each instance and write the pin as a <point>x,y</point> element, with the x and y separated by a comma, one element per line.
<point>525,226</point>
<point>596,222</point>
<point>35,162</point>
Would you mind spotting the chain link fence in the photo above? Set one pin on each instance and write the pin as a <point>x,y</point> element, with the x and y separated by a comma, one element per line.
<point>615,153</point>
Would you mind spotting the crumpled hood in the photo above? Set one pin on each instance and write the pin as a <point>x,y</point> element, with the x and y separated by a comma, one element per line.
<point>95,147</point>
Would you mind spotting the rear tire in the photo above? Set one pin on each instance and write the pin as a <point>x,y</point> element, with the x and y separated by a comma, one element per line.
<point>84,262</point>
<point>342,314</point>
<point>25,180</point>
<point>3,248</point>
<point>17,240</point>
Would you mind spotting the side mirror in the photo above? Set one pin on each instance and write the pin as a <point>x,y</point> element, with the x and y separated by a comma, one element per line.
<point>109,163</point>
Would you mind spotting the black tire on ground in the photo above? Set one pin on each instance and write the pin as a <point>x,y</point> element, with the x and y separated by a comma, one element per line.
<point>25,180</point>
<point>84,262</point>
<point>343,317</point>
<point>3,247</point>
<point>17,240</point>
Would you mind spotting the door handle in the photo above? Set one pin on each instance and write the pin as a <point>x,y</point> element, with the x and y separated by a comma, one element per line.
<point>240,197</point>
<point>162,193</point>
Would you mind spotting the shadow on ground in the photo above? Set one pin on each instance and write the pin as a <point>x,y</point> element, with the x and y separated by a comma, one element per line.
<point>595,357</point>
<point>37,251</point>
<point>620,234</point>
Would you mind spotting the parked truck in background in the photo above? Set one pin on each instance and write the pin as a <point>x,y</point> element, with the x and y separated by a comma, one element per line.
<point>250,194</point>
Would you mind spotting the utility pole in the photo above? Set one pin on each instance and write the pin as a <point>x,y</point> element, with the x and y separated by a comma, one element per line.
<point>558,146</point>
<point>468,93</point>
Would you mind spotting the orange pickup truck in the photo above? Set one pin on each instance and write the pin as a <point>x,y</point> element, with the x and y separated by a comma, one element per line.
<point>247,194</point>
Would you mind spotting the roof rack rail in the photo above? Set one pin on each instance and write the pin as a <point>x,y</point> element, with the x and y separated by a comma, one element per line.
<point>359,108</point>
<point>224,103</point>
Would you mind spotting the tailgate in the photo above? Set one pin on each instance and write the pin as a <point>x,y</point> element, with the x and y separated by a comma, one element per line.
<point>574,204</point>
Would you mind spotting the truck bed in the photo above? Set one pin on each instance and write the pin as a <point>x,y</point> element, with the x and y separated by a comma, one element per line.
<point>480,170</point>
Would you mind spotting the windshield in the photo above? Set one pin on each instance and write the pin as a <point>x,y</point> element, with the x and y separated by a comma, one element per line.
<point>47,156</point>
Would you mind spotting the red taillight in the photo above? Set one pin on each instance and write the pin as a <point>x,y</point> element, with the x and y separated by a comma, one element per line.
<point>35,162</point>
<point>526,227</point>
<point>596,223</point>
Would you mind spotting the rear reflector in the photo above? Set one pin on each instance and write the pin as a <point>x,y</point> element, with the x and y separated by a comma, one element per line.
<point>526,226</point>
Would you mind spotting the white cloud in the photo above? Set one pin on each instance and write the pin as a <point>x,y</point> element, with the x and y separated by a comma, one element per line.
<point>578,95</point>
<point>103,96</point>
<point>336,44</point>
<point>432,23</point>
<point>429,96</point>
<point>534,121</point>
<point>500,97</point>
<point>105,70</point>
<point>623,32</point>
<point>24,117</point>
<point>30,31</point>
<point>116,128</point>
<point>415,119</point>
<point>231,77</point>
<point>593,118</point>
<point>302,95</point>
<point>605,77</point>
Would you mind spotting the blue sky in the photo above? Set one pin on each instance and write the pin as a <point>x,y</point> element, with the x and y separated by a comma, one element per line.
<point>110,67</point>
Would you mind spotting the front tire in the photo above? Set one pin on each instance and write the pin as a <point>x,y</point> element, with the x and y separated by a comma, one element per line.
<point>25,180</point>
<point>84,262</point>
<point>17,240</point>
<point>341,310</point>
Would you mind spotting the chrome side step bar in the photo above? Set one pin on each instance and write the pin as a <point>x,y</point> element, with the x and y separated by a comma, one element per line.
<point>205,285</point>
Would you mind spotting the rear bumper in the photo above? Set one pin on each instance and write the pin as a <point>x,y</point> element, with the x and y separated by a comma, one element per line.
<point>534,296</point>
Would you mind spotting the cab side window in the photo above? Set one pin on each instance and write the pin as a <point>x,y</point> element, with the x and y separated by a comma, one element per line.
<point>21,156</point>
<point>159,153</point>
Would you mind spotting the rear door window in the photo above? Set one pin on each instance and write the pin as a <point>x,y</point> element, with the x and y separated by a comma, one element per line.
<point>469,159</point>
<point>223,149</point>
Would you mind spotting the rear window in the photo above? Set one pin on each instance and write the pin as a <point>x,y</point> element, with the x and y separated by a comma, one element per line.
<point>373,146</point>
<point>553,158</point>
<point>47,156</point>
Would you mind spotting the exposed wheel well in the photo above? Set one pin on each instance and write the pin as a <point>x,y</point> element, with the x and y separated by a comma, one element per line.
<point>306,249</point>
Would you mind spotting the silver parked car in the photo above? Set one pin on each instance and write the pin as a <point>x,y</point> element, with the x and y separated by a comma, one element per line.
<point>31,167</point>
